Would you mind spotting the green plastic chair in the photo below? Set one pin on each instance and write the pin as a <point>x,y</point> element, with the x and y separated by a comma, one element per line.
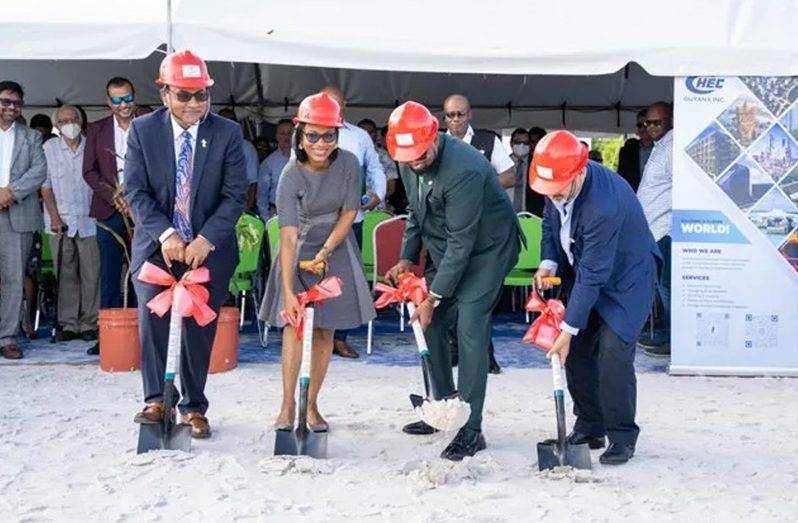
<point>522,274</point>
<point>370,220</point>
<point>249,233</point>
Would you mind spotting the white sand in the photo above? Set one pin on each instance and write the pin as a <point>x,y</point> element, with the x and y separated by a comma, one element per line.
<point>710,450</point>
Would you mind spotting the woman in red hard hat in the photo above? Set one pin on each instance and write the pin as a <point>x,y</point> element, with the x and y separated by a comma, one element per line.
<point>318,196</point>
<point>596,236</point>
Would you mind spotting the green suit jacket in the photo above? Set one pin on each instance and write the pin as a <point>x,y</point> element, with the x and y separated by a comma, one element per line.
<point>459,213</point>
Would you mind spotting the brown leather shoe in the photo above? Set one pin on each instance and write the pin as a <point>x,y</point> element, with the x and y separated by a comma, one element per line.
<point>11,352</point>
<point>341,348</point>
<point>200,428</point>
<point>152,413</point>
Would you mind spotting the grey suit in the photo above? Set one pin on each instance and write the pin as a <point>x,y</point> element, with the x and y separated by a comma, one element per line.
<point>17,224</point>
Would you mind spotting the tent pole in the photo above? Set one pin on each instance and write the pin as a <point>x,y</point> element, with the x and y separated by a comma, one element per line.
<point>169,47</point>
<point>259,87</point>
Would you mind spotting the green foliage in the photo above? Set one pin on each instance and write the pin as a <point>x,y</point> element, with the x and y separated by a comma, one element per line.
<point>609,148</point>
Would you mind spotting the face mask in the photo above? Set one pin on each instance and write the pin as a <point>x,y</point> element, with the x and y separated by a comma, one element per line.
<point>520,149</point>
<point>70,131</point>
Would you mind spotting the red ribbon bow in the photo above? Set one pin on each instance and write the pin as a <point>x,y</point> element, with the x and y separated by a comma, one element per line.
<point>546,328</point>
<point>188,294</point>
<point>329,287</point>
<point>410,288</point>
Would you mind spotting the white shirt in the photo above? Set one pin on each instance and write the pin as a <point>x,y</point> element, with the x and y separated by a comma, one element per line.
<point>358,142</point>
<point>6,153</point>
<point>72,193</point>
<point>177,133</point>
<point>120,147</point>
<point>565,212</point>
<point>499,157</point>
<point>655,190</point>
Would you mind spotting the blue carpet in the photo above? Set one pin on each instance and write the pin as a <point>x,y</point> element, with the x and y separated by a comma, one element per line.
<point>391,347</point>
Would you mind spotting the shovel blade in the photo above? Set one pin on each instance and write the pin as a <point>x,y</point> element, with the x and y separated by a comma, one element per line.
<point>313,444</point>
<point>285,443</point>
<point>153,437</point>
<point>300,443</point>
<point>551,455</point>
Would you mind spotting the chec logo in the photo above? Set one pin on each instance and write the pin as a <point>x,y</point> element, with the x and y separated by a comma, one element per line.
<point>704,84</point>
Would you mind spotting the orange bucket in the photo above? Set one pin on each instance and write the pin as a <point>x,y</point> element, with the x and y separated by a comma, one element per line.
<point>120,348</point>
<point>224,353</point>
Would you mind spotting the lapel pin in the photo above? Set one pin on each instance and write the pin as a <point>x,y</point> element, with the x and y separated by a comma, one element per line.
<point>204,143</point>
<point>429,182</point>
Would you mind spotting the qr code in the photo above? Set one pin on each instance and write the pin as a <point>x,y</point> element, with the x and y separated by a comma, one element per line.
<point>761,331</point>
<point>712,329</point>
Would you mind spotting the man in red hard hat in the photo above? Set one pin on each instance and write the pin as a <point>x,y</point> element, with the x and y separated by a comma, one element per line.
<point>186,185</point>
<point>596,236</point>
<point>459,213</point>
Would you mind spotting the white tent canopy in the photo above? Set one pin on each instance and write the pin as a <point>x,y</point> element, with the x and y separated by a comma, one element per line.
<point>554,64</point>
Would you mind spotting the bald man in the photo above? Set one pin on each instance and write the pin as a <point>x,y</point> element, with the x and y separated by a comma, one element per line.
<point>357,141</point>
<point>457,116</point>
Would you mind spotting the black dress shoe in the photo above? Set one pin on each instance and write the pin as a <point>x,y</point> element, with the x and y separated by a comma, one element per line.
<point>419,428</point>
<point>94,350</point>
<point>467,442</point>
<point>617,454</point>
<point>88,335</point>
<point>494,368</point>
<point>577,438</point>
<point>65,336</point>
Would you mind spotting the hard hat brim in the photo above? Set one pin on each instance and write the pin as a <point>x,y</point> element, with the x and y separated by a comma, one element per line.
<point>188,84</point>
<point>407,154</point>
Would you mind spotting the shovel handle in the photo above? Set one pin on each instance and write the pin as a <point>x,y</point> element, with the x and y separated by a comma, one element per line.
<point>174,344</point>
<point>418,332</point>
<point>556,373</point>
<point>307,345</point>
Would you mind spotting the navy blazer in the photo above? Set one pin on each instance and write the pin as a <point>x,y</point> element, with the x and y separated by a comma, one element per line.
<point>218,186</point>
<point>615,255</point>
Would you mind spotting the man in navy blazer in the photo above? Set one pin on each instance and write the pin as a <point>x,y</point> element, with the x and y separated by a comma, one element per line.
<point>186,186</point>
<point>594,230</point>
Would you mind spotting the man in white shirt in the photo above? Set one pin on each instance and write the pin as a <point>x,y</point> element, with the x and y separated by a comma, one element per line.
<point>355,140</point>
<point>103,170</point>
<point>388,165</point>
<point>272,167</point>
<point>655,196</point>
<point>457,115</point>
<point>67,199</point>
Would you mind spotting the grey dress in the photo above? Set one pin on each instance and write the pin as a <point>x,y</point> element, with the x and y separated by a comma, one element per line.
<point>312,203</point>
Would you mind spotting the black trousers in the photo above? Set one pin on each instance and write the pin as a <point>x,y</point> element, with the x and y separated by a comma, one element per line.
<point>601,381</point>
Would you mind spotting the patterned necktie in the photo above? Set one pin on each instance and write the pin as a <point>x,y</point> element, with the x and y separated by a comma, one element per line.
<point>180,218</point>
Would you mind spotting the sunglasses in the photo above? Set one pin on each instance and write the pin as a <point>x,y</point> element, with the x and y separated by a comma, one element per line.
<point>641,125</point>
<point>8,102</point>
<point>451,115</point>
<point>328,137</point>
<point>185,97</point>
<point>116,100</point>
<point>654,123</point>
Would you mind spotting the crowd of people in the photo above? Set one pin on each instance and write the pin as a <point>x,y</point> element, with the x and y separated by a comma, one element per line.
<point>109,196</point>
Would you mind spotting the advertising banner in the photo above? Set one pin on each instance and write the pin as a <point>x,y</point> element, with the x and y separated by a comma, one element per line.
<point>735,226</point>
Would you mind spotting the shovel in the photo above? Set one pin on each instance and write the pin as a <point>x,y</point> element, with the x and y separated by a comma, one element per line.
<point>301,440</point>
<point>435,403</point>
<point>557,452</point>
<point>168,435</point>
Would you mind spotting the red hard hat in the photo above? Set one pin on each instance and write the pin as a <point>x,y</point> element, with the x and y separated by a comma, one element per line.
<point>411,131</point>
<point>319,109</point>
<point>184,69</point>
<point>558,158</point>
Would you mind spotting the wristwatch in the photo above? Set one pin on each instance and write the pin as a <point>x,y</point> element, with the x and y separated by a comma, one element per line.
<point>433,300</point>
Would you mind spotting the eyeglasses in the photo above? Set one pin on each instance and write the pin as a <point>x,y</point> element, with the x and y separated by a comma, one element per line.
<point>328,137</point>
<point>8,102</point>
<point>185,97</point>
<point>451,115</point>
<point>641,125</point>
<point>654,123</point>
<point>116,100</point>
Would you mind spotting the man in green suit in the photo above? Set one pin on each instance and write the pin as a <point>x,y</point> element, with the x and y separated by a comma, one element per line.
<point>461,216</point>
